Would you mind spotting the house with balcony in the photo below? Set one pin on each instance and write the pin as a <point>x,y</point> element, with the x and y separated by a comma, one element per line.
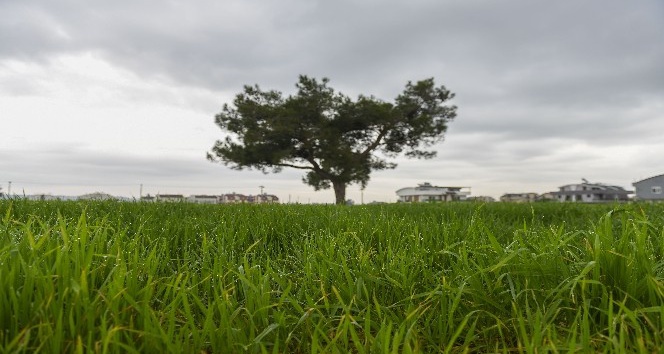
<point>426,192</point>
<point>586,192</point>
<point>650,188</point>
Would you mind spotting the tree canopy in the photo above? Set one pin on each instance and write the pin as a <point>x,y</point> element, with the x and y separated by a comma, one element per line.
<point>337,140</point>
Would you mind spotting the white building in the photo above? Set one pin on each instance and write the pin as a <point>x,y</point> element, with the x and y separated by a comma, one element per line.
<point>425,192</point>
<point>265,198</point>
<point>170,197</point>
<point>587,192</point>
<point>203,199</point>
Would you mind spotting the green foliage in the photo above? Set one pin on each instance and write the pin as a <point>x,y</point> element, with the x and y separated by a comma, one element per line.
<point>337,140</point>
<point>459,277</point>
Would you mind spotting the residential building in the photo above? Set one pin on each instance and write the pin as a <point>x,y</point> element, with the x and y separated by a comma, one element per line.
<point>203,199</point>
<point>426,192</point>
<point>266,198</point>
<point>233,198</point>
<point>650,188</point>
<point>519,197</point>
<point>587,192</point>
<point>546,197</point>
<point>170,197</point>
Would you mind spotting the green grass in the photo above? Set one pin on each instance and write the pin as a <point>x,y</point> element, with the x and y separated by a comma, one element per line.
<point>461,277</point>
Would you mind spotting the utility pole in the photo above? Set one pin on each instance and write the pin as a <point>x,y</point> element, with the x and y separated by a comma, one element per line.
<point>9,189</point>
<point>261,187</point>
<point>141,192</point>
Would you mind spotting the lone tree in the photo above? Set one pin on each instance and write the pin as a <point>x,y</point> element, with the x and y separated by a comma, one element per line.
<point>337,140</point>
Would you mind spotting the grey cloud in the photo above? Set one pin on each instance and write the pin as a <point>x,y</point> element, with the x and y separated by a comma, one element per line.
<point>29,32</point>
<point>376,45</point>
<point>610,125</point>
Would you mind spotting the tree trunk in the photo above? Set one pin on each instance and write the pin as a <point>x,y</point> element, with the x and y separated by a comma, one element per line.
<point>339,192</point>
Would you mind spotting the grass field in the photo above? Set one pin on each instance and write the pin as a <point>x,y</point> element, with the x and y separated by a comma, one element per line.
<point>460,277</point>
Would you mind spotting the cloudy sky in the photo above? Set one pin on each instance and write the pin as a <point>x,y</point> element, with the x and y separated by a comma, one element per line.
<point>109,95</point>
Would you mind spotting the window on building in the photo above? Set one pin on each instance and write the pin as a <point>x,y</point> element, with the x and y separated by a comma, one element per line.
<point>656,190</point>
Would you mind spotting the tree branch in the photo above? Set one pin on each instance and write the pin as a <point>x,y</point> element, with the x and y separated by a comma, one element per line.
<point>376,142</point>
<point>314,165</point>
<point>294,166</point>
<point>316,168</point>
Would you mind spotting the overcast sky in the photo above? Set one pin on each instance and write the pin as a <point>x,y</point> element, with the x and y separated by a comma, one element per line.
<point>109,95</point>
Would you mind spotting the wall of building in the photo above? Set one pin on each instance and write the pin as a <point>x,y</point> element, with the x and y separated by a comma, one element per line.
<point>650,189</point>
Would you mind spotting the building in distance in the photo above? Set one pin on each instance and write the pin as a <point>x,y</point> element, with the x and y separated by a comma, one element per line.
<point>229,198</point>
<point>169,197</point>
<point>528,197</point>
<point>587,192</point>
<point>203,199</point>
<point>425,192</point>
<point>650,188</point>
<point>481,199</point>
